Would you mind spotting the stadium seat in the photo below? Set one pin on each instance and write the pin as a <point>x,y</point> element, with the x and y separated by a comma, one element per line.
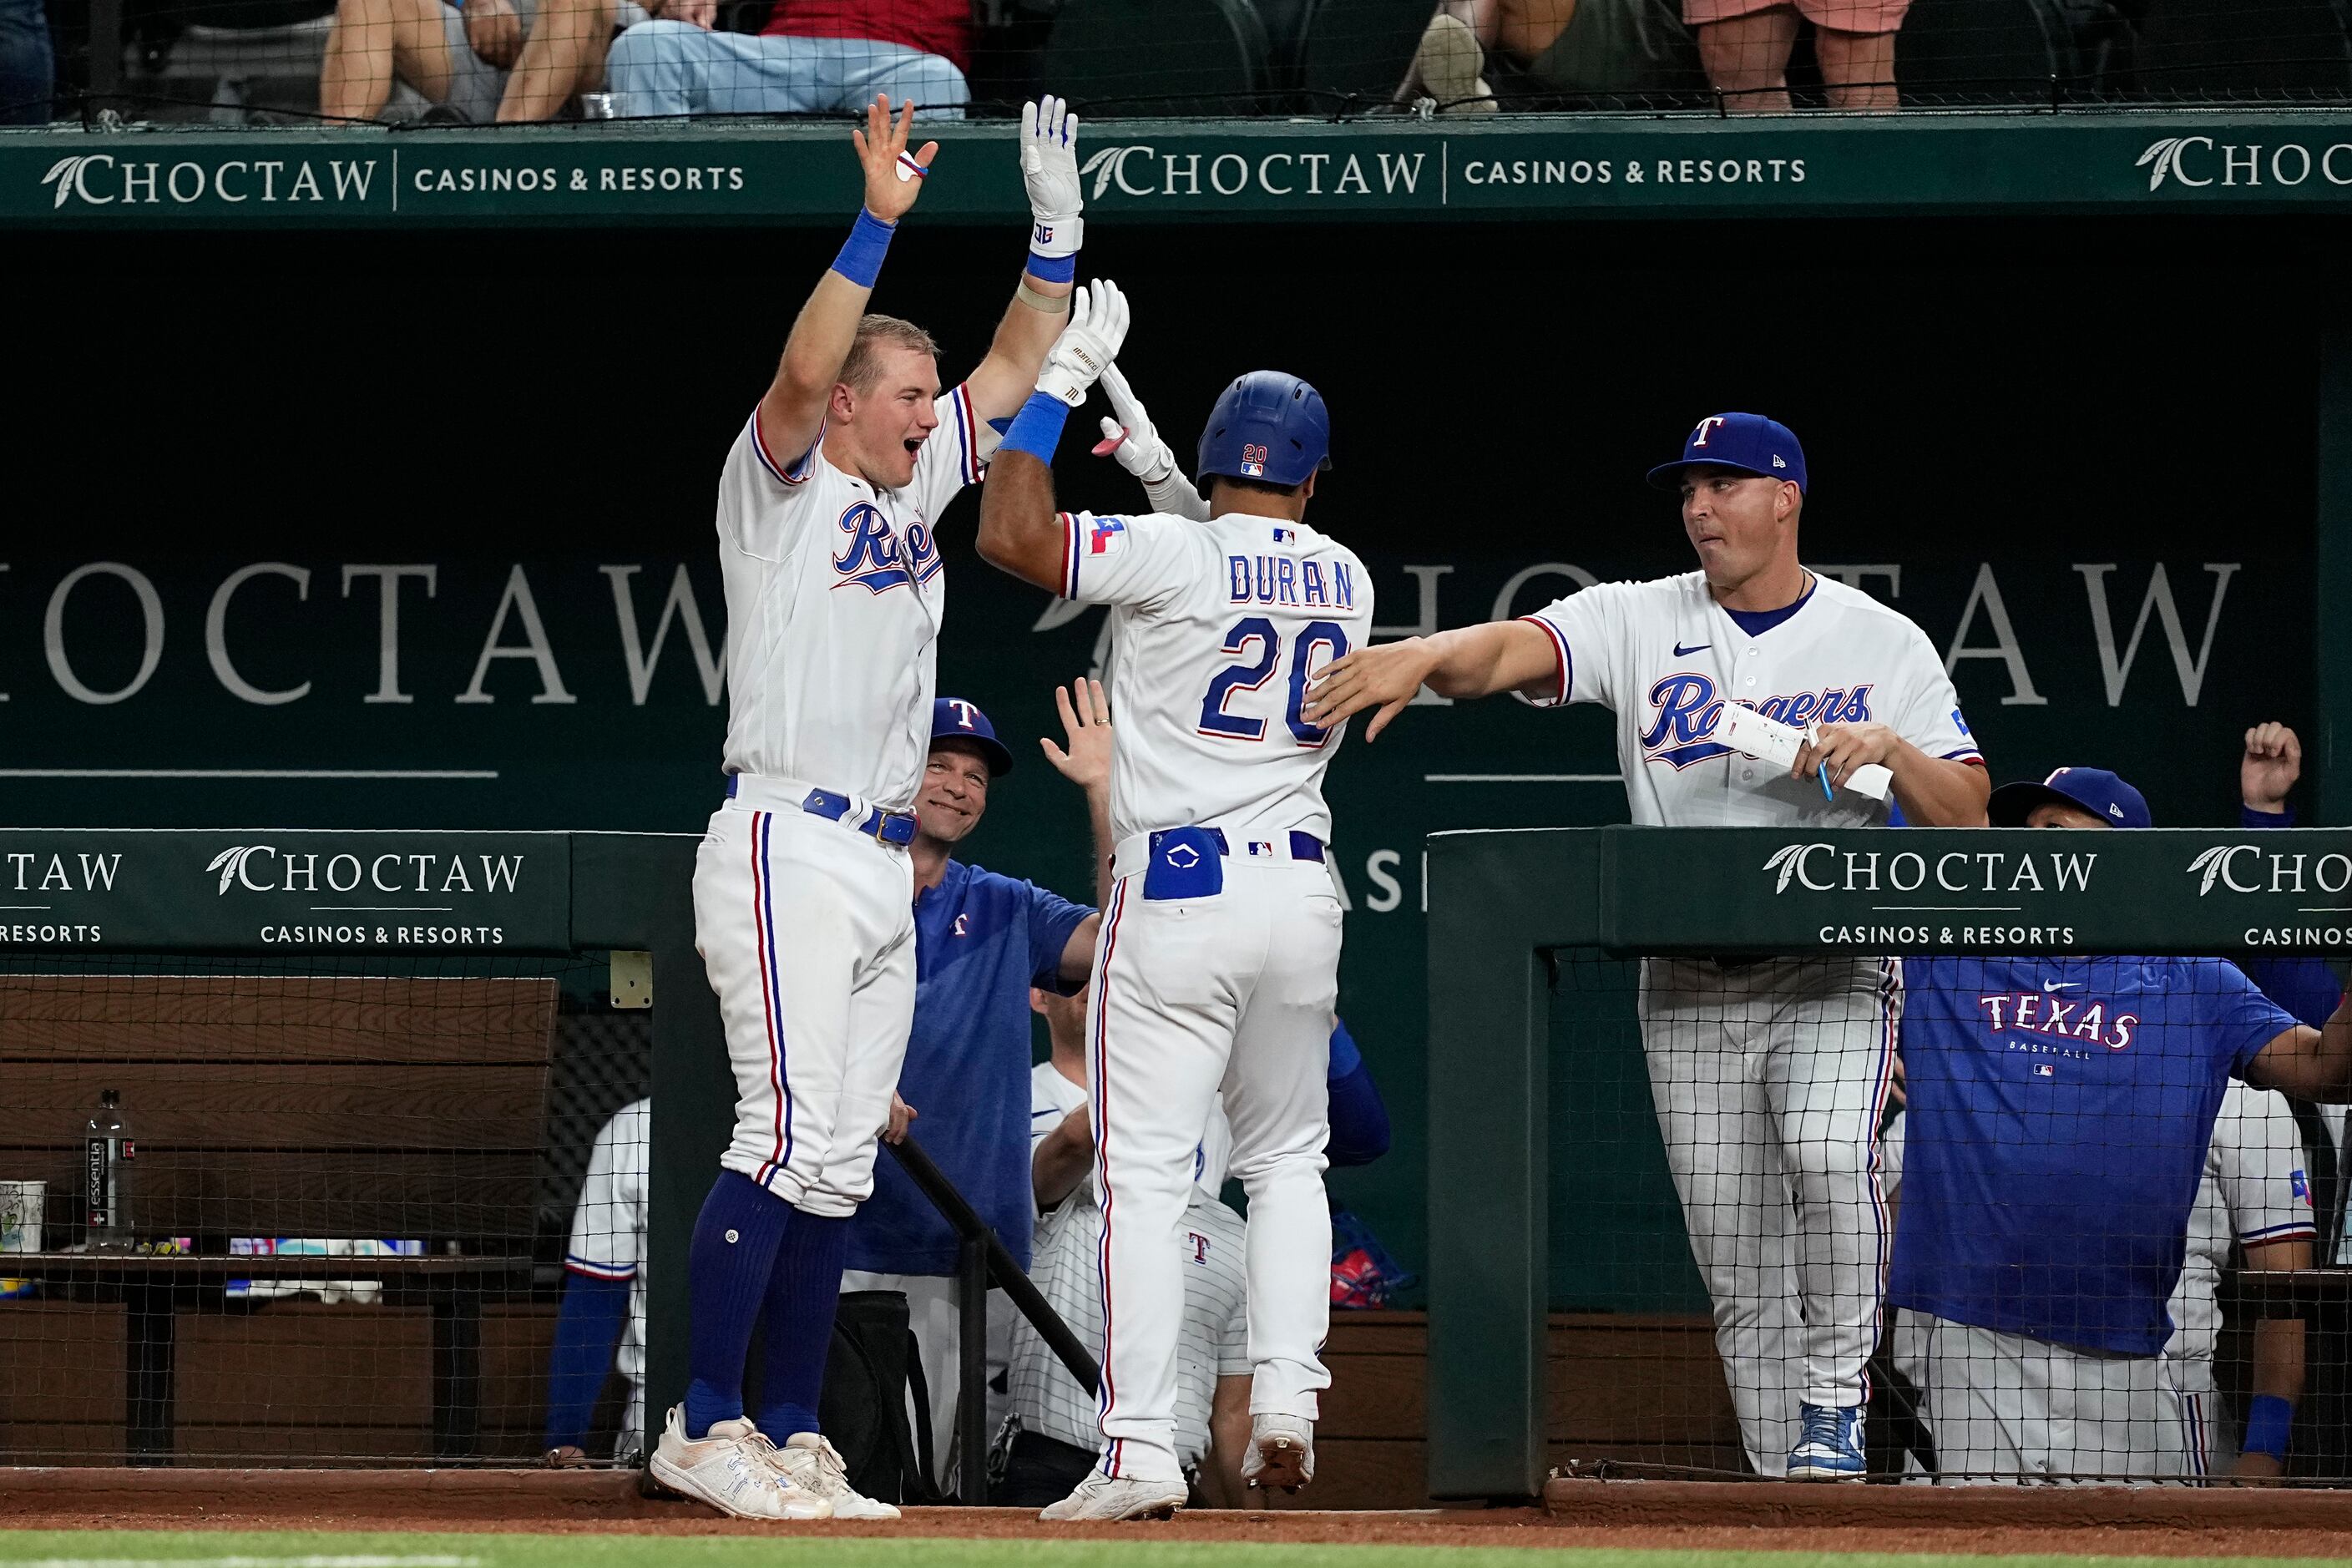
<point>2210,51</point>
<point>1285,30</point>
<point>1979,51</point>
<point>1161,57</point>
<point>1359,46</point>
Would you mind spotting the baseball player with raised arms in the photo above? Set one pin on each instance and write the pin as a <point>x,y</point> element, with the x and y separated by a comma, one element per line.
<point>1218,962</point>
<point>803,892</point>
<point>1768,1076</point>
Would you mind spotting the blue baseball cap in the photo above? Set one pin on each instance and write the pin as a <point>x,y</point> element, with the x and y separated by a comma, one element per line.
<point>1747,442</point>
<point>953,718</point>
<point>2095,790</point>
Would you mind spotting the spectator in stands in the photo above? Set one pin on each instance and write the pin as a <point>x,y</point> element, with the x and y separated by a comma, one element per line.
<point>603,1292</point>
<point>2060,1112</point>
<point>500,61</point>
<point>1476,53</point>
<point>815,57</point>
<point>982,941</point>
<point>27,67</point>
<point>1053,1438</point>
<point>1745,46</point>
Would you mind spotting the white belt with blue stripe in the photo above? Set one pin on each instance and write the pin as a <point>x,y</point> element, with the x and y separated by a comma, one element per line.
<point>1134,852</point>
<point>895,829</point>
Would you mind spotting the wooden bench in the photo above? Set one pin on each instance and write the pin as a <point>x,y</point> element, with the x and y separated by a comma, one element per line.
<point>265,1105</point>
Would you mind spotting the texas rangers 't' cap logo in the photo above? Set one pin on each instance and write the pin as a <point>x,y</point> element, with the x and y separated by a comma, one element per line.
<point>953,718</point>
<point>1749,443</point>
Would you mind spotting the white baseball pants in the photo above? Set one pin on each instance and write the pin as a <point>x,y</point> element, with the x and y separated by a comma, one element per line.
<point>1232,991</point>
<point>807,930</point>
<point>1768,1080</point>
<point>2005,1408</point>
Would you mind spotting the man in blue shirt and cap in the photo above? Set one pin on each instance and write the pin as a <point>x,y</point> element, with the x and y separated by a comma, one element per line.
<point>982,940</point>
<point>2059,1108</point>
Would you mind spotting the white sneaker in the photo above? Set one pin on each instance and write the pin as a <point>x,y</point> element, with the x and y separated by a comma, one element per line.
<point>732,1470</point>
<point>814,1465</point>
<point>1281,1452</point>
<point>1448,62</point>
<point>1103,1497</point>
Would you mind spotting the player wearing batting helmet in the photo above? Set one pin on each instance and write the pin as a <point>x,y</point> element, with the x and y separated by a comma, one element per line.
<point>1219,959</point>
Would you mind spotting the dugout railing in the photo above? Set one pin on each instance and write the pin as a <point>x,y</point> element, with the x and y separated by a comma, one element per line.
<point>1511,911</point>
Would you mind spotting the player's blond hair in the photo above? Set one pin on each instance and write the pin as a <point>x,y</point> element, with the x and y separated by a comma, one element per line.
<point>865,361</point>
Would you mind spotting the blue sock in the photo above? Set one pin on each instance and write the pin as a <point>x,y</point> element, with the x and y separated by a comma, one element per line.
<point>796,1322</point>
<point>734,1254</point>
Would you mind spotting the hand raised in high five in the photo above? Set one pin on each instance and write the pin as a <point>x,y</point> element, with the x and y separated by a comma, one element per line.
<point>894,177</point>
<point>1131,436</point>
<point>1084,757</point>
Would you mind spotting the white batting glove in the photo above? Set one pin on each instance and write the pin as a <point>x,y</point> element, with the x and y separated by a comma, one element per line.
<point>1087,345</point>
<point>1049,168</point>
<point>1131,437</point>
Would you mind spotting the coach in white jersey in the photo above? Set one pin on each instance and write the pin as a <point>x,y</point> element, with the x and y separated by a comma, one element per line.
<point>1219,955</point>
<point>1768,1076</point>
<point>802,891</point>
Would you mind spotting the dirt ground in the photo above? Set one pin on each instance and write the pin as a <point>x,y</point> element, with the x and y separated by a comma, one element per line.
<point>2075,1522</point>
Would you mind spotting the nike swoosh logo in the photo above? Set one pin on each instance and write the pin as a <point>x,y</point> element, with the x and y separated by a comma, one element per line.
<point>2050,986</point>
<point>1682,652</point>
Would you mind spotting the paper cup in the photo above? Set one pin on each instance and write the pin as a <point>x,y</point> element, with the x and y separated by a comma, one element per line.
<point>20,1216</point>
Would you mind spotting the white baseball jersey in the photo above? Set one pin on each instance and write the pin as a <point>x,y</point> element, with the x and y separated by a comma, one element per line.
<point>1219,626</point>
<point>1665,658</point>
<point>1212,1343</point>
<point>834,594</point>
<point>608,1233</point>
<point>2254,1190</point>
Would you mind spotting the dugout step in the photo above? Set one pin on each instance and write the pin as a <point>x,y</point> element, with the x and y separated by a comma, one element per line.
<point>1752,1503</point>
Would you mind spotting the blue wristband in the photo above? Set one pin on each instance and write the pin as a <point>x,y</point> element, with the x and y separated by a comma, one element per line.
<point>1053,269</point>
<point>1037,428</point>
<point>2249,818</point>
<point>2269,1419</point>
<point>860,260</point>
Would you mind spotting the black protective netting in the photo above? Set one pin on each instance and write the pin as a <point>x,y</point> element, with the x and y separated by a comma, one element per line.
<point>317,1212</point>
<point>2025,1214</point>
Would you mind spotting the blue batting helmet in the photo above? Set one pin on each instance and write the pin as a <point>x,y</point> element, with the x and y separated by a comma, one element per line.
<point>1267,426</point>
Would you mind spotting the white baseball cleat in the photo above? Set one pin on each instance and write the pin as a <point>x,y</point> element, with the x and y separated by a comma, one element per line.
<point>1281,1452</point>
<point>1106,1496</point>
<point>813,1465</point>
<point>732,1471</point>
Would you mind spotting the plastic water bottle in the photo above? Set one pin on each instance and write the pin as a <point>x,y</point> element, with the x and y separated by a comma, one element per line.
<point>109,1152</point>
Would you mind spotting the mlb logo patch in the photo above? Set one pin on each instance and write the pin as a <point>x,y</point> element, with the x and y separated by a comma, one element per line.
<point>2044,1070</point>
<point>1286,536</point>
<point>1254,461</point>
<point>1105,535</point>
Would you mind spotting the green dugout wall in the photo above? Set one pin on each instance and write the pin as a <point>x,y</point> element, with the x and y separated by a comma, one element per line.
<point>346,501</point>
